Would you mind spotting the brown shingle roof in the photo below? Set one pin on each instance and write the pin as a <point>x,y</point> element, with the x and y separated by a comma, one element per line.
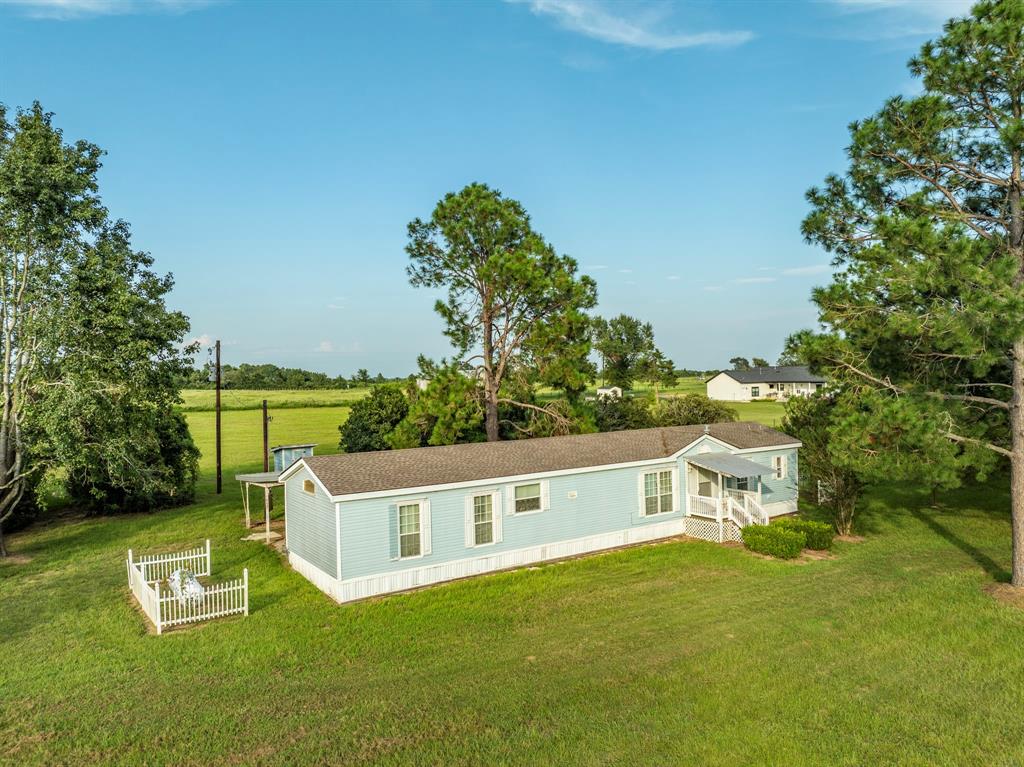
<point>349,473</point>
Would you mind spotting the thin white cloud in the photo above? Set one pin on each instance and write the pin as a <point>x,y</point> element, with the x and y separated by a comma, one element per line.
<point>76,9</point>
<point>595,267</point>
<point>753,280</point>
<point>712,288</point>
<point>800,271</point>
<point>325,347</point>
<point>936,9</point>
<point>203,340</point>
<point>335,307</point>
<point>891,19</point>
<point>635,26</point>
<point>674,277</point>
<point>625,271</point>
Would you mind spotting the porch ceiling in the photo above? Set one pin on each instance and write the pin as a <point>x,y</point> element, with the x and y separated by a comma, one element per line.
<point>729,464</point>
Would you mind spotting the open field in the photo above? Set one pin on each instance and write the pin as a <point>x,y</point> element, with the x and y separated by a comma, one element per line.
<point>198,400</point>
<point>202,400</point>
<point>677,653</point>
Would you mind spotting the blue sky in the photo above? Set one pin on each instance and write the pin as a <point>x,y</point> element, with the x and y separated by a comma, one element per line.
<point>270,155</point>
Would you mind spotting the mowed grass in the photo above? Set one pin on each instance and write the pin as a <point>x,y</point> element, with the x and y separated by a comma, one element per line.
<point>676,653</point>
<point>198,400</point>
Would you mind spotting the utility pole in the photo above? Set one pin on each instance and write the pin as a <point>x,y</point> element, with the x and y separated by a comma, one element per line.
<point>266,443</point>
<point>268,498</point>
<point>217,379</point>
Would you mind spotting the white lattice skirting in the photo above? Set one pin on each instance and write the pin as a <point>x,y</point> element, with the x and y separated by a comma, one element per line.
<point>700,527</point>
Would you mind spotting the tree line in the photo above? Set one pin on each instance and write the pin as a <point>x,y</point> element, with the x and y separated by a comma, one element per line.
<point>271,377</point>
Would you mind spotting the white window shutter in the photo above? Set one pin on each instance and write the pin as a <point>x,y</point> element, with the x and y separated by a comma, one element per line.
<point>510,497</point>
<point>425,527</point>
<point>470,537</point>
<point>545,496</point>
<point>675,489</point>
<point>497,516</point>
<point>640,494</point>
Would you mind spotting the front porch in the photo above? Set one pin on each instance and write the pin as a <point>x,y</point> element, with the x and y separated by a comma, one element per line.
<point>729,496</point>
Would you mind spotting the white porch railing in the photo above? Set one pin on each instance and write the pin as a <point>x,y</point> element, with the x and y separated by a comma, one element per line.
<point>704,506</point>
<point>721,519</point>
<point>166,609</point>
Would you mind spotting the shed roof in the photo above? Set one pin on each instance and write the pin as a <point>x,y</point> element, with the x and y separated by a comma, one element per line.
<point>292,447</point>
<point>382,471</point>
<point>729,464</point>
<point>774,374</point>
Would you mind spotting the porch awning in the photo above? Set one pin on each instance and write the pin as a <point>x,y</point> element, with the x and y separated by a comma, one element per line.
<point>729,464</point>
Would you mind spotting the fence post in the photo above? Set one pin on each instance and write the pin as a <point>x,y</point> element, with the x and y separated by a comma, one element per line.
<point>245,588</point>
<point>156,610</point>
<point>209,568</point>
<point>721,520</point>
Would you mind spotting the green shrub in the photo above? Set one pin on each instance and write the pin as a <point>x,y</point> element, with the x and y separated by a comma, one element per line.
<point>773,540</point>
<point>819,535</point>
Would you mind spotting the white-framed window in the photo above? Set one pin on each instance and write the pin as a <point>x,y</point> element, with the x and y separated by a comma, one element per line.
<point>742,483</point>
<point>527,498</point>
<point>412,528</point>
<point>755,391</point>
<point>308,486</point>
<point>781,466</point>
<point>658,492</point>
<point>483,518</point>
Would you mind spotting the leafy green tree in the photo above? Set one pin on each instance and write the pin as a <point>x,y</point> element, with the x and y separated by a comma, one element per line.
<point>760,362</point>
<point>509,294</point>
<point>740,363</point>
<point>48,201</point>
<point>926,315</point>
<point>690,409</point>
<point>817,421</point>
<point>373,418</point>
<point>449,411</point>
<point>657,370</point>
<point>91,356</point>
<point>624,343</point>
<point>622,413</point>
<point>791,351</point>
<point>362,377</point>
<point>111,423</point>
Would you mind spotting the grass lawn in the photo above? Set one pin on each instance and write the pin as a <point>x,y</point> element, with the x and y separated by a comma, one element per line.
<point>197,400</point>
<point>677,653</point>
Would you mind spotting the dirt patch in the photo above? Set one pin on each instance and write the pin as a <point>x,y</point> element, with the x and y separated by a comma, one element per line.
<point>850,538</point>
<point>1007,594</point>
<point>18,559</point>
<point>815,555</point>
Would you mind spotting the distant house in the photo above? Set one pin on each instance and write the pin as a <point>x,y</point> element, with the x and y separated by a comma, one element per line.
<point>763,383</point>
<point>361,524</point>
<point>609,392</point>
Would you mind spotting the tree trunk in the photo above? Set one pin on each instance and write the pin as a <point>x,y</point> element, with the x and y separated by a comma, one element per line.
<point>491,412</point>
<point>1017,464</point>
<point>490,384</point>
<point>3,545</point>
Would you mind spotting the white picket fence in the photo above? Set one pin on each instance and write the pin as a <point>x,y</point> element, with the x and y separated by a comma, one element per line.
<point>164,608</point>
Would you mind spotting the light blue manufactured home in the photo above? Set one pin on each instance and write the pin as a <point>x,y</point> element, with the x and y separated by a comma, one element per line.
<point>362,524</point>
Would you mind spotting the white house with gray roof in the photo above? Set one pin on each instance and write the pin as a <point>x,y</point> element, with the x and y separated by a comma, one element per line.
<point>362,524</point>
<point>777,382</point>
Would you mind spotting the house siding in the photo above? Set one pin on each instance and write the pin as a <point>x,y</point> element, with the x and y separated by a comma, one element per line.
<point>606,500</point>
<point>311,523</point>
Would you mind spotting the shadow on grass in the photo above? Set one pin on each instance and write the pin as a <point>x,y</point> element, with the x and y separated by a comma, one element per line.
<point>989,565</point>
